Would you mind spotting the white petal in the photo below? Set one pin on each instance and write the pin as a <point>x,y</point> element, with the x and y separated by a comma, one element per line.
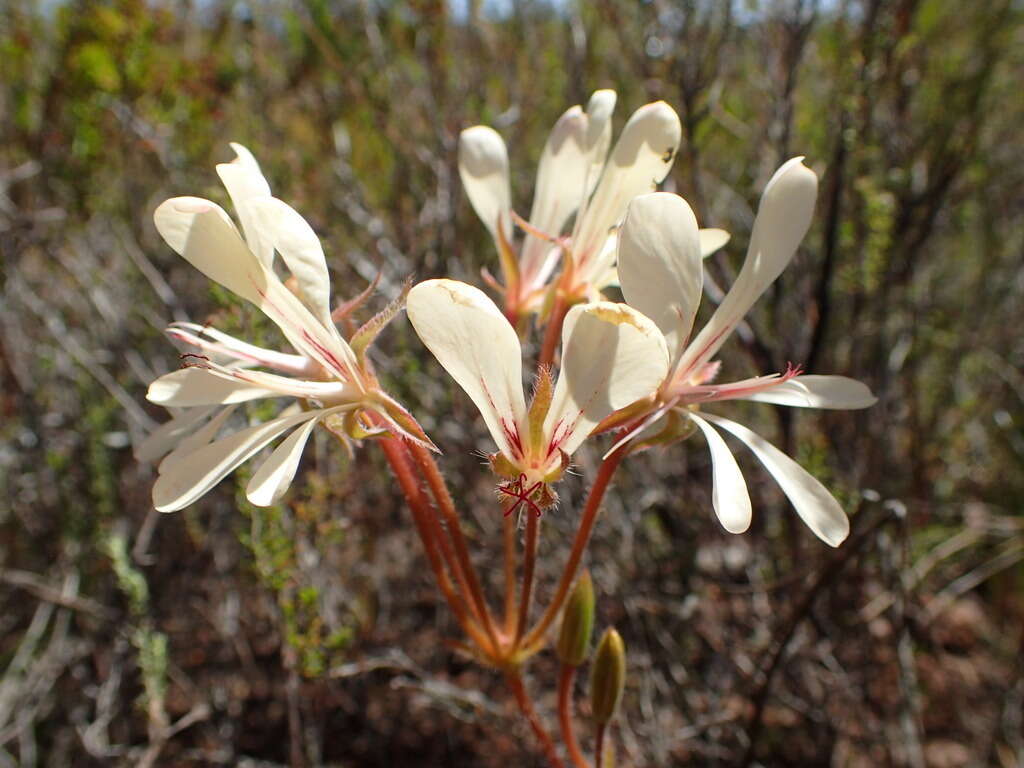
<point>483,167</point>
<point>163,439</point>
<point>611,356</point>
<point>642,157</point>
<point>474,342</point>
<point>188,478</point>
<point>198,439</point>
<point>729,490</point>
<point>306,333</point>
<point>783,218</point>
<point>836,392</point>
<point>599,132</point>
<point>561,185</point>
<point>815,505</point>
<point>200,386</point>
<point>300,248</point>
<point>245,183</point>
<point>711,240</point>
<point>203,234</point>
<point>270,482</point>
<point>229,346</point>
<point>660,267</point>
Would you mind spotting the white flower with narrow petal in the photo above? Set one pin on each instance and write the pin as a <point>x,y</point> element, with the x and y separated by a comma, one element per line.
<point>611,357</point>
<point>576,174</point>
<point>661,274</point>
<point>326,376</point>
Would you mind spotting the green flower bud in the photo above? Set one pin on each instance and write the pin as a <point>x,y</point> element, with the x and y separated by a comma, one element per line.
<point>577,623</point>
<point>608,676</point>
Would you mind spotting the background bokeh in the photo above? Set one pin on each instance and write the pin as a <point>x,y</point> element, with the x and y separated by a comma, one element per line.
<point>309,633</point>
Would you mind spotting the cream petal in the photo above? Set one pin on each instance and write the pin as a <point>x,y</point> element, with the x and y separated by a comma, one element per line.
<point>200,386</point>
<point>332,392</point>
<point>245,183</point>
<point>270,482</point>
<point>300,249</point>
<point>474,342</point>
<point>659,263</point>
<point>611,356</point>
<point>561,186</point>
<point>198,439</point>
<point>483,167</point>
<point>642,157</point>
<point>711,240</point>
<point>225,344</point>
<point>835,392</point>
<point>184,480</point>
<point>165,437</point>
<point>307,334</point>
<point>815,505</point>
<point>783,218</point>
<point>203,234</point>
<point>729,490</point>
<point>600,109</point>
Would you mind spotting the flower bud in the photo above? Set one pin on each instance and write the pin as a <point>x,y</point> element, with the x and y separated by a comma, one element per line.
<point>608,677</point>
<point>577,623</point>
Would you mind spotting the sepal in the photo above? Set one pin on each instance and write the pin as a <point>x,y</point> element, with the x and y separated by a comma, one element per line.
<point>366,335</point>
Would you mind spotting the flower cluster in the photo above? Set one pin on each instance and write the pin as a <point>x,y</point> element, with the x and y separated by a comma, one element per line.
<point>634,366</point>
<point>328,379</point>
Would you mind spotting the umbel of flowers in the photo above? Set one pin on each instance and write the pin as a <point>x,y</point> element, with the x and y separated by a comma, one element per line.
<point>636,368</point>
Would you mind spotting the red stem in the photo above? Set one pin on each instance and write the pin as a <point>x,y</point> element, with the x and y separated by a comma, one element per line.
<point>579,545</point>
<point>395,452</point>
<point>599,745</point>
<point>529,561</point>
<point>439,489</point>
<point>510,573</point>
<point>565,681</point>
<point>515,682</point>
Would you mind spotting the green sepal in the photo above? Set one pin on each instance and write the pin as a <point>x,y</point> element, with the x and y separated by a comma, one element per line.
<point>543,389</point>
<point>365,336</point>
<point>677,428</point>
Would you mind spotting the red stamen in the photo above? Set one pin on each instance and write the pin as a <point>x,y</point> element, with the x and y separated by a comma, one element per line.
<point>515,488</point>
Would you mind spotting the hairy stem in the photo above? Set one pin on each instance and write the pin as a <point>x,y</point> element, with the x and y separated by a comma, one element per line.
<point>439,489</point>
<point>510,573</point>
<point>529,561</point>
<point>515,683</point>
<point>579,545</point>
<point>397,456</point>
<point>565,680</point>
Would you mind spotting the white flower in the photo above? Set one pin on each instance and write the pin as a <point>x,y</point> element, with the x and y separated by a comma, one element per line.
<point>325,377</point>
<point>611,357</point>
<point>572,166</point>
<point>660,269</point>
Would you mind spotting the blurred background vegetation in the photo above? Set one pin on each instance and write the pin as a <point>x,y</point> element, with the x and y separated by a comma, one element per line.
<point>310,634</point>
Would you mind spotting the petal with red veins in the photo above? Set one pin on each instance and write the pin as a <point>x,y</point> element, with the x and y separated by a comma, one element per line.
<point>475,344</point>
